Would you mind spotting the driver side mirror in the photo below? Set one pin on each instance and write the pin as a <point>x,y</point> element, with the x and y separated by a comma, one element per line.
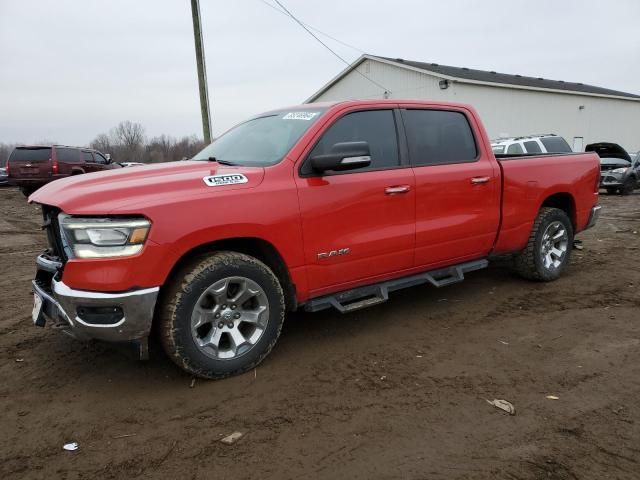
<point>343,156</point>
<point>108,157</point>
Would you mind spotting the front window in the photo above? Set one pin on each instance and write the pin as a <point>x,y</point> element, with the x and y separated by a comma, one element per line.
<point>261,141</point>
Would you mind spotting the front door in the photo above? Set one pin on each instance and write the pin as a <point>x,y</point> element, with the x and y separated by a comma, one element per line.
<point>457,187</point>
<point>358,225</point>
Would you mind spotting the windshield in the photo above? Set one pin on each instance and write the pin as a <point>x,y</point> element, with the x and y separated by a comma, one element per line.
<point>261,141</point>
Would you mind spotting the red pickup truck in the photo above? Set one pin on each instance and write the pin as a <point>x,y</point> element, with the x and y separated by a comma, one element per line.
<point>313,206</point>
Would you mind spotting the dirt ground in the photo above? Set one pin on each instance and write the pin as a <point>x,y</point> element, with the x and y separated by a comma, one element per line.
<point>395,391</point>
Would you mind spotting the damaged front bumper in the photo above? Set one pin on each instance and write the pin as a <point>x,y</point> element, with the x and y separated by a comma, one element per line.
<point>114,317</point>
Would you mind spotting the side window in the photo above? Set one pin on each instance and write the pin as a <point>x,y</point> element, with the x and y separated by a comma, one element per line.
<point>532,146</point>
<point>99,158</point>
<point>438,137</point>
<point>376,127</point>
<point>515,148</point>
<point>68,155</point>
<point>86,157</point>
<point>556,145</point>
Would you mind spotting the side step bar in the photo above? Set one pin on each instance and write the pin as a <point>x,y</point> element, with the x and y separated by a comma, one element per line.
<point>367,296</point>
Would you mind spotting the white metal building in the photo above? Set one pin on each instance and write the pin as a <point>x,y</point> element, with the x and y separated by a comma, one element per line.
<point>510,105</point>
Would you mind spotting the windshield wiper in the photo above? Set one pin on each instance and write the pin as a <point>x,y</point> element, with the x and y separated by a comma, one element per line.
<point>222,162</point>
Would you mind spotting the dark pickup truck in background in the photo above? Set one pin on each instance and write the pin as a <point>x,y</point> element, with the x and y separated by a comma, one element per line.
<point>31,167</point>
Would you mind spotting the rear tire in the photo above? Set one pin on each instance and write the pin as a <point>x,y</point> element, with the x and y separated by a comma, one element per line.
<point>627,186</point>
<point>612,190</point>
<point>221,315</point>
<point>549,247</point>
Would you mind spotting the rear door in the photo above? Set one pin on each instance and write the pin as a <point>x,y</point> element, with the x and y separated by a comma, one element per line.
<point>30,163</point>
<point>358,225</point>
<point>457,188</point>
<point>68,160</point>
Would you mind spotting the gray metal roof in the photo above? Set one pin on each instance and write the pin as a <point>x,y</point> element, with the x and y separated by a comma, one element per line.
<point>464,73</point>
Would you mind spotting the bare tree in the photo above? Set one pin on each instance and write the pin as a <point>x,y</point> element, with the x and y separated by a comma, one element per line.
<point>102,143</point>
<point>129,136</point>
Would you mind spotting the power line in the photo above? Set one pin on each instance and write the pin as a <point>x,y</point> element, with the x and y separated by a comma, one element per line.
<point>327,46</point>
<point>314,28</point>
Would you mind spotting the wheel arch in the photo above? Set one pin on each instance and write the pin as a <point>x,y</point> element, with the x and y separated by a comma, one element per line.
<point>563,201</point>
<point>254,247</point>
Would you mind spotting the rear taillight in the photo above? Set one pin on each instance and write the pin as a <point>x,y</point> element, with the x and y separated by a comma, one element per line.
<point>54,167</point>
<point>6,167</point>
<point>597,186</point>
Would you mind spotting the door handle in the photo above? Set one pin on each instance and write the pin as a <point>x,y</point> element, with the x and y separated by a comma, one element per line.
<point>395,190</point>
<point>480,180</point>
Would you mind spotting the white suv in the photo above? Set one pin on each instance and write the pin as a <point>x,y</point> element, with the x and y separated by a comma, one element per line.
<point>532,144</point>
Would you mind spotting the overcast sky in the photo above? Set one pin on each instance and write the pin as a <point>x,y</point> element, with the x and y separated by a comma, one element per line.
<point>71,69</point>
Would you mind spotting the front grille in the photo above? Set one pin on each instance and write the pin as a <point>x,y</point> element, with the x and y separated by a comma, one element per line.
<point>52,228</point>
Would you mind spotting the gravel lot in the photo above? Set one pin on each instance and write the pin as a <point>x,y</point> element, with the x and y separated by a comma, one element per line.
<point>395,391</point>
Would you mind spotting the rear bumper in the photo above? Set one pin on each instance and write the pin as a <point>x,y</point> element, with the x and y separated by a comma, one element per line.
<point>114,317</point>
<point>593,216</point>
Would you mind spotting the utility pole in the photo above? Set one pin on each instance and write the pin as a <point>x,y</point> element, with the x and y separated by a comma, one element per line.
<point>202,72</point>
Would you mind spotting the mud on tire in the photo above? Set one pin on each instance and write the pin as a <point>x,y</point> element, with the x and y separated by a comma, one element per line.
<point>210,341</point>
<point>533,262</point>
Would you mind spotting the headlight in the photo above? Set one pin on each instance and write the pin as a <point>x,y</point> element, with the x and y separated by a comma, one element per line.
<point>620,170</point>
<point>103,237</point>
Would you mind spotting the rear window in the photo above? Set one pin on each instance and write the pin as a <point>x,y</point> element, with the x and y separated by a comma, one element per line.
<point>532,147</point>
<point>67,155</point>
<point>30,155</point>
<point>556,145</point>
<point>498,148</point>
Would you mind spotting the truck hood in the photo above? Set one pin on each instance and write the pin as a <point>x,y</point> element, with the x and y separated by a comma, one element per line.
<point>128,190</point>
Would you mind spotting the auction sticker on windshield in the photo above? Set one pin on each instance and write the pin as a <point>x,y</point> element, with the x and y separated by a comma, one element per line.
<point>300,116</point>
<point>229,179</point>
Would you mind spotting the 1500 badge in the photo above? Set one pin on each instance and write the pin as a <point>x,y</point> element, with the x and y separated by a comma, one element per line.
<point>228,179</point>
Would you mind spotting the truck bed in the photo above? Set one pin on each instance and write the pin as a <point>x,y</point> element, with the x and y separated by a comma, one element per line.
<point>528,182</point>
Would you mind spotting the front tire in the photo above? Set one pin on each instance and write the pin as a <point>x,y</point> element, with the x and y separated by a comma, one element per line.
<point>627,186</point>
<point>222,315</point>
<point>612,190</point>
<point>549,247</point>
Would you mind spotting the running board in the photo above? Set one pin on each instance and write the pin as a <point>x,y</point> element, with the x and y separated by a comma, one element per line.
<point>367,296</point>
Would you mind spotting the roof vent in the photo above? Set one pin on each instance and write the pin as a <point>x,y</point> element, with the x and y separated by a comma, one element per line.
<point>580,83</point>
<point>540,78</point>
<point>434,64</point>
<point>465,68</point>
<point>401,60</point>
<point>492,72</point>
<point>519,76</point>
